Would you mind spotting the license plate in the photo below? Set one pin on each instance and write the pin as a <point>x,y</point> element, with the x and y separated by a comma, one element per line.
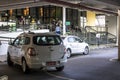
<point>52,63</point>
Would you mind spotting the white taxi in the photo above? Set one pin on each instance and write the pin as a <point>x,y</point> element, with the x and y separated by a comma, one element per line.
<point>74,45</point>
<point>37,50</point>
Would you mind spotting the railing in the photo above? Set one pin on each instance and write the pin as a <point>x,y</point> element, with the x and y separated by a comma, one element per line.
<point>88,34</point>
<point>5,40</point>
<point>105,37</point>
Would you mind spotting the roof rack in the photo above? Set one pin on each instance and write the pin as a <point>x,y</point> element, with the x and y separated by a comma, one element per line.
<point>31,32</point>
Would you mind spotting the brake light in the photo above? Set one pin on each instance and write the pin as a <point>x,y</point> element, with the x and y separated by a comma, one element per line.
<point>65,54</point>
<point>65,50</point>
<point>31,51</point>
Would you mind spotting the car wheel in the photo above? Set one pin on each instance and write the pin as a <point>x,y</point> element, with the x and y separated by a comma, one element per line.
<point>68,53</point>
<point>9,61</point>
<point>86,51</point>
<point>25,68</point>
<point>60,68</point>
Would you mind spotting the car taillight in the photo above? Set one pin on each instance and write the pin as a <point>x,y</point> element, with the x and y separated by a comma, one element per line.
<point>31,51</point>
<point>65,54</point>
<point>65,50</point>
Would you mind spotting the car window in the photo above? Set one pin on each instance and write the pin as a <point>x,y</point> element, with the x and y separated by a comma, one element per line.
<point>16,41</point>
<point>78,40</point>
<point>27,40</point>
<point>21,41</point>
<point>71,39</point>
<point>74,39</point>
<point>47,40</point>
<point>24,40</point>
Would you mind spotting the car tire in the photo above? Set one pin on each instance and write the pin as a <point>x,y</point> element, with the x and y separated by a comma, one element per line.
<point>9,61</point>
<point>25,68</point>
<point>86,50</point>
<point>68,53</point>
<point>60,68</point>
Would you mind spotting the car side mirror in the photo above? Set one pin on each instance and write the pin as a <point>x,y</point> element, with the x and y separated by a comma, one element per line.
<point>10,42</point>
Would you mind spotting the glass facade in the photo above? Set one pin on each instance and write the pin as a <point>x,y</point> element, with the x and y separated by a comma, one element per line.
<point>43,15</point>
<point>72,16</point>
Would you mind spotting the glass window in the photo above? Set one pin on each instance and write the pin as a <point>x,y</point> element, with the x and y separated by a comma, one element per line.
<point>72,16</point>
<point>75,16</point>
<point>59,13</point>
<point>83,21</point>
<point>41,11</point>
<point>52,11</point>
<point>16,41</point>
<point>22,41</point>
<point>46,11</point>
<point>71,39</point>
<point>19,12</point>
<point>78,40</point>
<point>47,40</point>
<point>33,12</point>
<point>68,14</point>
<point>74,39</point>
<point>100,20</point>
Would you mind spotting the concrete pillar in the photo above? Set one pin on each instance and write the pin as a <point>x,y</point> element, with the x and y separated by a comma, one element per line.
<point>64,20</point>
<point>79,21</point>
<point>118,24</point>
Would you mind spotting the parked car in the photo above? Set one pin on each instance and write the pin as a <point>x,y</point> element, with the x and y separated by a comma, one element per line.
<point>75,45</point>
<point>37,50</point>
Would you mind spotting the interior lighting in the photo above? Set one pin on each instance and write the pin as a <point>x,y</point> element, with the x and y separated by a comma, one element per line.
<point>11,12</point>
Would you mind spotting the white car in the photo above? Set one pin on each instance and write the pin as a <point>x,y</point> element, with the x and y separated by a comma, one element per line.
<point>75,45</point>
<point>37,50</point>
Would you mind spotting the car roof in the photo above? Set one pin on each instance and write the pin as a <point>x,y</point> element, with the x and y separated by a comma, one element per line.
<point>35,34</point>
<point>69,36</point>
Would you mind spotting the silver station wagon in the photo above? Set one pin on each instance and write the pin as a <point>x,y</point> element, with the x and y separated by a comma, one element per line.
<point>37,51</point>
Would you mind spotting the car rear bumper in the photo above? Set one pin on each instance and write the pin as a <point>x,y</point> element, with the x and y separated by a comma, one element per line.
<point>38,63</point>
<point>46,64</point>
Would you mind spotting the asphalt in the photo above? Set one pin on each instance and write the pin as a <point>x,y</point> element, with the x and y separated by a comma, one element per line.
<point>100,64</point>
<point>97,68</point>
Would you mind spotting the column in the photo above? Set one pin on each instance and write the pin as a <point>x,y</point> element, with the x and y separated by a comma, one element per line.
<point>118,36</point>
<point>79,21</point>
<point>64,20</point>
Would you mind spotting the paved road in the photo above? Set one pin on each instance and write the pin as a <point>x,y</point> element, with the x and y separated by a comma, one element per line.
<point>98,65</point>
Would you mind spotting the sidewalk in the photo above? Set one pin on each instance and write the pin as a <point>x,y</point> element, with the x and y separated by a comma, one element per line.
<point>3,57</point>
<point>92,47</point>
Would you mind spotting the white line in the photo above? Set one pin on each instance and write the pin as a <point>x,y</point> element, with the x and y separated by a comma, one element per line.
<point>78,57</point>
<point>61,77</point>
<point>113,59</point>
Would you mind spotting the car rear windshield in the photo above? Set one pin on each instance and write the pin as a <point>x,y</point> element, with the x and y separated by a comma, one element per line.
<point>47,40</point>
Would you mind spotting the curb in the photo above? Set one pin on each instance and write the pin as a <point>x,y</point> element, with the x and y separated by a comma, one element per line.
<point>92,47</point>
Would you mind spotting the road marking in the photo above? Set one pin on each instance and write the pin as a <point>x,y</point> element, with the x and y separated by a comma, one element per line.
<point>61,77</point>
<point>113,59</point>
<point>78,57</point>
